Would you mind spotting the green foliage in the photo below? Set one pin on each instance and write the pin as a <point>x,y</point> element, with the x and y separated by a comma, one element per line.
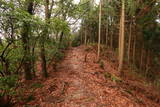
<point>8,85</point>
<point>54,51</point>
<point>76,41</point>
<point>131,7</point>
<point>59,25</point>
<point>58,55</point>
<point>151,36</point>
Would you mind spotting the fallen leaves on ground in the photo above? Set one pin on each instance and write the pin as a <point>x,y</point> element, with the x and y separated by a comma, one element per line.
<point>77,83</point>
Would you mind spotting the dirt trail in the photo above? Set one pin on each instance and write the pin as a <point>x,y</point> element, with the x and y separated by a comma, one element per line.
<point>82,84</point>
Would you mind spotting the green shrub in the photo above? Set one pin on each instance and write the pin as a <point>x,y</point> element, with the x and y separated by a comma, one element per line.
<point>76,42</point>
<point>59,55</point>
<point>8,85</point>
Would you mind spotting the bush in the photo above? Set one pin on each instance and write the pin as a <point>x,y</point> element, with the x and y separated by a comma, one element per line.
<point>7,90</point>
<point>59,55</point>
<point>8,85</point>
<point>76,42</point>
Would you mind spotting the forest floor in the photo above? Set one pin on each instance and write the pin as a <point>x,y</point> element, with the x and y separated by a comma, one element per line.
<point>80,83</point>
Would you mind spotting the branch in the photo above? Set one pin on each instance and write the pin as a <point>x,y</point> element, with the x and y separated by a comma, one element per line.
<point>5,49</point>
<point>79,17</point>
<point>20,64</point>
<point>2,74</point>
<point>51,7</point>
<point>145,9</point>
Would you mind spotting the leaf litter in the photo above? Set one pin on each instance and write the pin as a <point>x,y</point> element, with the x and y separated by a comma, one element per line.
<point>80,83</point>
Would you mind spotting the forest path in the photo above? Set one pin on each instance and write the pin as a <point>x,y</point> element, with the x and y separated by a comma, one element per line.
<point>83,84</point>
<point>77,83</point>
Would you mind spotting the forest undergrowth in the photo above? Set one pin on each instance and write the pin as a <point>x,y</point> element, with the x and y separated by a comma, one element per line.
<point>80,81</point>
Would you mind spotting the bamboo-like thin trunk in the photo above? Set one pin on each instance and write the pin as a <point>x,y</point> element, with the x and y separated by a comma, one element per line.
<point>134,49</point>
<point>122,37</point>
<point>129,41</point>
<point>81,35</point>
<point>147,63</point>
<point>107,34</point>
<point>141,63</point>
<point>99,31</point>
<point>85,36</point>
<point>111,43</point>
<point>119,46</point>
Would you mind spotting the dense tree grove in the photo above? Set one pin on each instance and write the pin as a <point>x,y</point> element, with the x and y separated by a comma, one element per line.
<point>36,32</point>
<point>130,28</point>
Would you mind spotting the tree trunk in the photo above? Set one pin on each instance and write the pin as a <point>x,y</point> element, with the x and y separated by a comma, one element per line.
<point>129,41</point>
<point>43,37</point>
<point>111,37</point>
<point>107,34</point>
<point>122,37</point>
<point>119,46</point>
<point>33,58</point>
<point>134,49</point>
<point>99,31</point>
<point>147,63</point>
<point>141,63</point>
<point>85,38</point>
<point>43,58</point>
<point>25,41</point>
<point>61,38</point>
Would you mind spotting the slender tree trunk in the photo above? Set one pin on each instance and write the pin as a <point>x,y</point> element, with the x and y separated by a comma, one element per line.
<point>129,41</point>
<point>43,58</point>
<point>147,63</point>
<point>107,34</point>
<point>119,46</point>
<point>33,62</point>
<point>111,41</point>
<point>43,38</point>
<point>99,31</point>
<point>122,37</point>
<point>85,36</point>
<point>25,41</point>
<point>33,58</point>
<point>81,35</point>
<point>62,33</point>
<point>61,38</point>
<point>134,49</point>
<point>141,63</point>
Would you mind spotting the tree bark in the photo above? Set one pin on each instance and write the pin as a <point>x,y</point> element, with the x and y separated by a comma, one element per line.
<point>141,63</point>
<point>26,46</point>
<point>134,49</point>
<point>122,37</point>
<point>85,38</point>
<point>107,34</point>
<point>99,31</point>
<point>129,41</point>
<point>44,36</point>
